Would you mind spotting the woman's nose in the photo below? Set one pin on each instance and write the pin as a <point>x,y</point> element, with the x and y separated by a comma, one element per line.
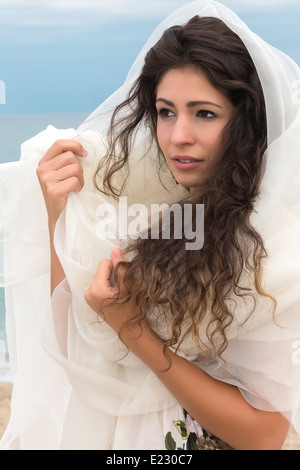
<point>183,132</point>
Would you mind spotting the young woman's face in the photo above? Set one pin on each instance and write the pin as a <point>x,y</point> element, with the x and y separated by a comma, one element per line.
<point>191,117</point>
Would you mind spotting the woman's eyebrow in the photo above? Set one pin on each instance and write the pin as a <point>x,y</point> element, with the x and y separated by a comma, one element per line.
<point>190,104</point>
<point>169,103</point>
<point>197,103</point>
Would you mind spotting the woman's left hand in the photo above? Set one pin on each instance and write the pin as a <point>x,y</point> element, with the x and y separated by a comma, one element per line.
<point>101,293</point>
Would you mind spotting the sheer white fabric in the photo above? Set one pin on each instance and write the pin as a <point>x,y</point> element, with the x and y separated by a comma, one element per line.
<point>74,385</point>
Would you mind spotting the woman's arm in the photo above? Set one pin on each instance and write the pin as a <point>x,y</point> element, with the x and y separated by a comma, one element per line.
<point>218,407</point>
<point>59,172</point>
<point>57,273</point>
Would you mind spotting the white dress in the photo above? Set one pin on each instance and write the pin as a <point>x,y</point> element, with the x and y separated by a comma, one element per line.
<point>75,386</point>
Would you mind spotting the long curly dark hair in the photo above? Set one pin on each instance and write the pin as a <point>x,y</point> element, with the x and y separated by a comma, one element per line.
<point>194,290</point>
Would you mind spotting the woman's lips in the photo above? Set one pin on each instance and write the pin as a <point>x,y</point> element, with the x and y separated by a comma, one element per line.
<point>186,163</point>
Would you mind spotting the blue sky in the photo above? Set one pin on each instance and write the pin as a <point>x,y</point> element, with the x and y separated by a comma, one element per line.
<point>69,55</point>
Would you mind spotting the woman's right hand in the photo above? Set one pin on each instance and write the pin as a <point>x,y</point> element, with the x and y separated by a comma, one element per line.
<point>60,172</point>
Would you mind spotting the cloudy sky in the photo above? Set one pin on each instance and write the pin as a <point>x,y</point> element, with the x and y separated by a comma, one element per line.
<point>68,55</point>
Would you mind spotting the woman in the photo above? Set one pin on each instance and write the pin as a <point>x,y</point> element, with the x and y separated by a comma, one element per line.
<point>186,345</point>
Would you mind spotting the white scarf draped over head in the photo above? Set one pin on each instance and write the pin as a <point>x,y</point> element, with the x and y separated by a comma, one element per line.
<point>69,370</point>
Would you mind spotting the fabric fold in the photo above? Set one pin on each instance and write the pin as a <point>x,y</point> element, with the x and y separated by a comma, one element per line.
<point>72,374</point>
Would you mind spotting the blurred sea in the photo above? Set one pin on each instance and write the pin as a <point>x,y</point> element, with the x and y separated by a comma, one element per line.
<point>14,130</point>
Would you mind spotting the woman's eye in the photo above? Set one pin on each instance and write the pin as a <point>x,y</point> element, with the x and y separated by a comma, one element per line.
<point>206,114</point>
<point>165,113</point>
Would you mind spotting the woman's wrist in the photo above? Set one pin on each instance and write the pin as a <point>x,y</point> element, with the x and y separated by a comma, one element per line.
<point>144,343</point>
<point>51,227</point>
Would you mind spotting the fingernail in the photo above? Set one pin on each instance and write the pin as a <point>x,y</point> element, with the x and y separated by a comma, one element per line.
<point>84,153</point>
<point>117,253</point>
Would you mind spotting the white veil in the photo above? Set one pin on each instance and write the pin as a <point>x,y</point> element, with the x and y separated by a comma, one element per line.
<point>96,383</point>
